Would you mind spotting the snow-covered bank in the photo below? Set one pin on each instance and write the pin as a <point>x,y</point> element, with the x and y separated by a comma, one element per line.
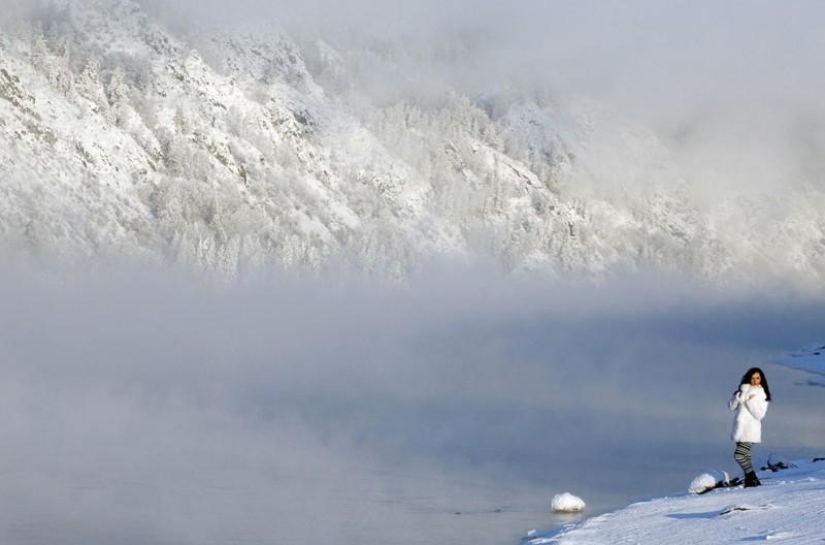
<point>788,508</point>
<point>810,358</point>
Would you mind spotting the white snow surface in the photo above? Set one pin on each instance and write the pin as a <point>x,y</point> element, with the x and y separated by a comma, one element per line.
<point>788,508</point>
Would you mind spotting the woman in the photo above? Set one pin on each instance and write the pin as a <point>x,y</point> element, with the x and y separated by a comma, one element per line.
<point>750,402</point>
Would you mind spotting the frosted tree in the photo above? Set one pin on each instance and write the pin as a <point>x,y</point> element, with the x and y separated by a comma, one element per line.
<point>117,94</point>
<point>88,85</point>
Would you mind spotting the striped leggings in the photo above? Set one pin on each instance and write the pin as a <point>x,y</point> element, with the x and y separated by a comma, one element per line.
<point>742,455</point>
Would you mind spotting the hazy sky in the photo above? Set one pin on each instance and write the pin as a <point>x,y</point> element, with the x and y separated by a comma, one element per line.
<point>143,408</point>
<point>676,53</point>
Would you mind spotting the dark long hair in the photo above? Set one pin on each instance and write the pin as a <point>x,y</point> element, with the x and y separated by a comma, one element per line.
<point>746,379</point>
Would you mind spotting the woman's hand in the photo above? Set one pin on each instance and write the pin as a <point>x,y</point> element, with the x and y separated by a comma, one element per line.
<point>746,392</point>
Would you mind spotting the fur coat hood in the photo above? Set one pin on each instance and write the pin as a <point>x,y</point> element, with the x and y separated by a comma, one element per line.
<point>751,405</point>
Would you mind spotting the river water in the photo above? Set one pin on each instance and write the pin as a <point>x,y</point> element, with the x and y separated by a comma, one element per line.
<point>143,408</point>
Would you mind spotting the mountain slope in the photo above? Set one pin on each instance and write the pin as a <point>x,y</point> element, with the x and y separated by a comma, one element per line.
<point>235,150</point>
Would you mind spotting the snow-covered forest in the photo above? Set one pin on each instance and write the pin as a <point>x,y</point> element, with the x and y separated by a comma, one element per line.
<point>235,148</point>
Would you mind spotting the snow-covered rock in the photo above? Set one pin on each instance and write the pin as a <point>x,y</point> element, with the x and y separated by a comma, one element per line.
<point>702,483</point>
<point>777,462</point>
<point>567,503</point>
<point>708,481</point>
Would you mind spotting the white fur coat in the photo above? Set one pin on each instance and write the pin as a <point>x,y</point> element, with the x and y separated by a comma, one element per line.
<point>750,404</point>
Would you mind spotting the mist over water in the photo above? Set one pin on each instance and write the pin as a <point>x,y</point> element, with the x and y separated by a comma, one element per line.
<point>141,406</point>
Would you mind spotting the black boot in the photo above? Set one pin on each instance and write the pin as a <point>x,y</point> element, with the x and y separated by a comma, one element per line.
<point>751,480</point>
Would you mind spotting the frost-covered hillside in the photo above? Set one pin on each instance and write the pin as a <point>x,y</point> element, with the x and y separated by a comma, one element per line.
<point>237,149</point>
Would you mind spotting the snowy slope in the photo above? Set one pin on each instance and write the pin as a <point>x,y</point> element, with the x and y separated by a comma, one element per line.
<point>236,149</point>
<point>787,509</point>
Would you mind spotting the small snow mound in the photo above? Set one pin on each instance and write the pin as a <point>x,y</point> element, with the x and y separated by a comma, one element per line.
<point>702,484</point>
<point>567,503</point>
